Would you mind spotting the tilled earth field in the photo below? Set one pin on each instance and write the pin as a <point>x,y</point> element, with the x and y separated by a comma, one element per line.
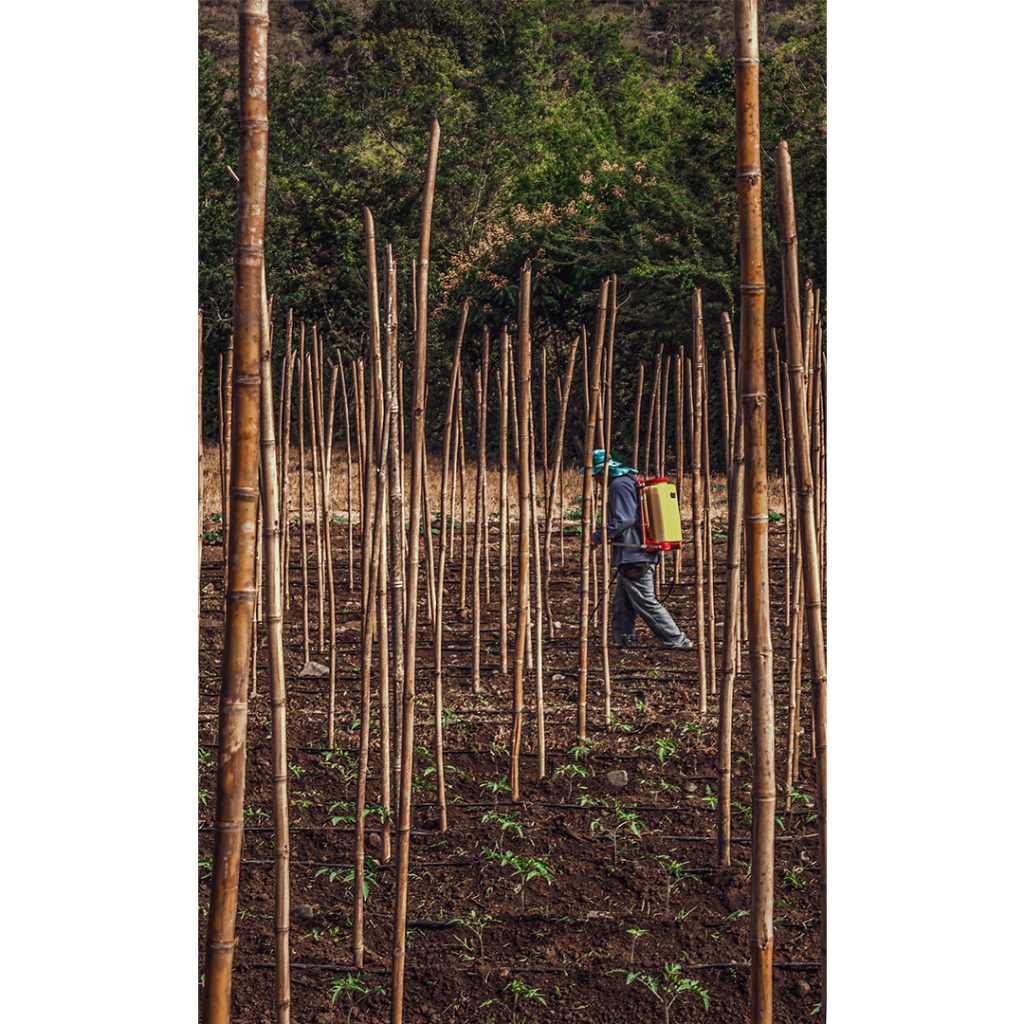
<point>615,901</point>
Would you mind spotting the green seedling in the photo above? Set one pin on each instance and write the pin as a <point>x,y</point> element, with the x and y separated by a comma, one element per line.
<point>667,987</point>
<point>353,990</point>
<point>476,923</point>
<point>256,814</point>
<point>295,769</point>
<point>666,748</point>
<point>625,824</point>
<point>515,991</point>
<point>339,873</point>
<point>204,796</point>
<point>710,798</point>
<point>660,786</point>
<point>507,822</point>
<point>581,749</point>
<point>213,536</point>
<point>793,879</point>
<point>205,758</point>
<point>572,772</point>
<point>206,864</point>
<point>775,517</point>
<point>693,727</point>
<point>737,914</point>
<point>634,934</point>
<point>616,725</point>
<point>524,870</point>
<point>676,872</point>
<point>496,787</point>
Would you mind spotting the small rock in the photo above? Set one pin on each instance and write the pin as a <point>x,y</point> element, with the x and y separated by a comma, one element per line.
<point>803,987</point>
<point>304,912</point>
<point>314,670</point>
<point>691,787</point>
<point>557,677</point>
<point>373,839</point>
<point>209,588</point>
<point>558,625</point>
<point>594,915</point>
<point>618,778</point>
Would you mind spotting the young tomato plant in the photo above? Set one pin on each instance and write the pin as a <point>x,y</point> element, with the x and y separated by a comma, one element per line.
<point>667,987</point>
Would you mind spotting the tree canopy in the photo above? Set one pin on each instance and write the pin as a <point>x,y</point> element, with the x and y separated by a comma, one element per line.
<point>591,137</point>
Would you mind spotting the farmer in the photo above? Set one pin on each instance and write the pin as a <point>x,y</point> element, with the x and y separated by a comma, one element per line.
<point>634,587</point>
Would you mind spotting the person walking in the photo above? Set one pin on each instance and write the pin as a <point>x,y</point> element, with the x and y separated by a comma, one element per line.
<point>634,563</point>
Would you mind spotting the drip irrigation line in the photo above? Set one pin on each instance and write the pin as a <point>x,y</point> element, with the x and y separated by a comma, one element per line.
<point>488,969</point>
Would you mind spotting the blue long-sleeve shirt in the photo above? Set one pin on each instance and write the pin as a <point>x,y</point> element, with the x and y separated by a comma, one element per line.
<point>622,518</point>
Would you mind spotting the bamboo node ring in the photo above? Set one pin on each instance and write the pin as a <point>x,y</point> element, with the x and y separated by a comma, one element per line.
<point>228,826</point>
<point>247,380</point>
<point>752,288</point>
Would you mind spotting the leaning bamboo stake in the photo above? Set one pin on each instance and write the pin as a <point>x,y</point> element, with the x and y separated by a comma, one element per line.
<point>805,484</point>
<point>796,642</point>
<point>754,396</point>
<point>439,590</point>
<point>348,475</point>
<point>586,519</point>
<point>245,456</point>
<point>522,620</point>
<point>503,376</point>
<point>317,482</point>
<point>316,425</point>
<point>556,481</point>
<point>478,530</point>
<point>538,593</point>
<point>695,391</point>
<point>680,446</point>
<point>730,640</point>
<point>463,575</point>
<point>286,419</point>
<point>723,393</point>
<point>784,470</point>
<point>734,419</point>
<point>606,567</point>
<point>561,503</point>
<point>331,403</point>
<point>304,549</point>
<point>485,360</point>
<point>428,534</point>
<point>275,650</point>
<point>655,393</point>
<point>709,546</point>
<point>412,576</point>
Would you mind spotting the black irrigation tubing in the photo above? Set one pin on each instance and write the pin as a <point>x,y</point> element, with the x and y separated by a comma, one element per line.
<point>413,865</point>
<point>502,969</point>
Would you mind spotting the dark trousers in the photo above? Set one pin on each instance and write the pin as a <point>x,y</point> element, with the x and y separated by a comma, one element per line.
<point>636,597</point>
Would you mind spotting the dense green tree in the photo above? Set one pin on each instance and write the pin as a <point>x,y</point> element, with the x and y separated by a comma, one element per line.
<point>590,137</point>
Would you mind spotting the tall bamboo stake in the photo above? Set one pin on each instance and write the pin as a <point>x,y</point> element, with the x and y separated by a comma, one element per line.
<point>245,456</point>
<point>655,392</point>
<point>561,504</point>
<point>784,469</point>
<point>538,593</point>
<point>734,419</point>
<point>709,546</point>
<point>680,446</point>
<point>723,392</point>
<point>286,432</point>
<point>586,519</point>
<point>805,484</point>
<point>229,376</point>
<point>485,359</point>
<point>348,475</point>
<point>463,575</point>
<point>696,392</point>
<point>304,550</point>
<point>317,481</point>
<point>606,567</point>
<point>752,364</point>
<point>275,650</point>
<point>730,641</point>
<point>412,576</point>
<point>478,529</point>
<point>200,447</point>
<point>524,367</point>
<point>331,404</point>
<point>556,480</point>
<point>503,377</point>
<point>222,462</point>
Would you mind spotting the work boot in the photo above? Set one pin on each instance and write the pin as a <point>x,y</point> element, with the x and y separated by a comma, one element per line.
<point>623,641</point>
<point>683,643</point>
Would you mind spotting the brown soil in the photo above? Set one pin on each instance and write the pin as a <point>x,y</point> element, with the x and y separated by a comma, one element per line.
<point>563,940</point>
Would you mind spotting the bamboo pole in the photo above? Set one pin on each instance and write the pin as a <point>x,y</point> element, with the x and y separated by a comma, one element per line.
<point>485,361</point>
<point>784,469</point>
<point>478,531</point>
<point>655,393</point>
<point>314,450</point>
<point>428,535</point>
<point>503,378</point>
<point>538,593</point>
<point>522,620</point>
<point>754,396</point>
<point>606,567</point>
<point>723,392</point>
<point>439,591</point>
<point>229,375</point>
<point>245,456</point>
<point>275,650</point>
<point>805,484</point>
<point>556,480</point>
<point>586,518</point>
<point>348,475</point>
<point>730,640</point>
<point>696,389</point>
<point>331,406</point>
<point>709,546</point>
<point>222,462</point>
<point>304,548</point>
<point>734,419</point>
<point>463,574</point>
<point>412,576</point>
<point>561,500</point>
<point>200,448</point>
<point>286,431</point>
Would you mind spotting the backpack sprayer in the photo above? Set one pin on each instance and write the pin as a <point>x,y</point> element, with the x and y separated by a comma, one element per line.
<point>659,514</point>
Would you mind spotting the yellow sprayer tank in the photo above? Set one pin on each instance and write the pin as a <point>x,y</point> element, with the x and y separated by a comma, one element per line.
<point>660,506</point>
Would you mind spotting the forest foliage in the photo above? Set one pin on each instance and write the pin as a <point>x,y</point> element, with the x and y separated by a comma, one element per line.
<point>590,137</point>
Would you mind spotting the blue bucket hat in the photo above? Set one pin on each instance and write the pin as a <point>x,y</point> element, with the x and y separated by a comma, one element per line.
<point>614,468</point>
